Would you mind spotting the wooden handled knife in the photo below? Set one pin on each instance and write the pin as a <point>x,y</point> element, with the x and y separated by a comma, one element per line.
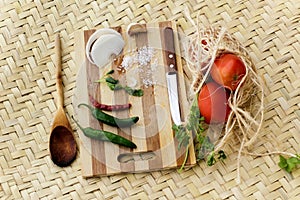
<point>171,75</point>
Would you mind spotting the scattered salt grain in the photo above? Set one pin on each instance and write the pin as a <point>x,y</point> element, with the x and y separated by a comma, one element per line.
<point>127,62</point>
<point>142,57</point>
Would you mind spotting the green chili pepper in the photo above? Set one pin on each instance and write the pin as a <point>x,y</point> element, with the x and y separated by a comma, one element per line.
<point>105,136</point>
<point>110,120</point>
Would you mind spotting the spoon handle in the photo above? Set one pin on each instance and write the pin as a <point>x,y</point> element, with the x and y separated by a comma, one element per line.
<point>59,86</point>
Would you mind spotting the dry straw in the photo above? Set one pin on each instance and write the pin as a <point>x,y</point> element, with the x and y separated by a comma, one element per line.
<point>246,102</point>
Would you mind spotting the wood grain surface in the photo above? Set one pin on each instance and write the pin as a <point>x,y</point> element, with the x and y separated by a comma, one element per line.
<point>153,133</point>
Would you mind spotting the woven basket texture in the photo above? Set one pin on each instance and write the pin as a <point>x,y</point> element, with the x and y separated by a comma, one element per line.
<point>270,31</point>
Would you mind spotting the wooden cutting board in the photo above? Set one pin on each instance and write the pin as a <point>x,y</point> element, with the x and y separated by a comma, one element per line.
<point>153,134</point>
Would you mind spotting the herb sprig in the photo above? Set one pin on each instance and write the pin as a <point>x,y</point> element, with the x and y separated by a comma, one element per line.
<point>204,146</point>
<point>114,85</point>
<point>289,164</point>
<point>211,160</point>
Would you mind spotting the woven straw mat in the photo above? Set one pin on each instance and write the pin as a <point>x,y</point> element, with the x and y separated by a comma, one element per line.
<point>269,29</point>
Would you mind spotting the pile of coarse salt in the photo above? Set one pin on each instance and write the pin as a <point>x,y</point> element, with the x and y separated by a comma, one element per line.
<point>145,63</point>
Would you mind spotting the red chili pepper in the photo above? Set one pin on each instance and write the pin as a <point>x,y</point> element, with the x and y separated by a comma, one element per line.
<point>105,107</point>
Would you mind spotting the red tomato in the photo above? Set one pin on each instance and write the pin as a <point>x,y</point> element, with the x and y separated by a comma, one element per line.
<point>228,70</point>
<point>213,103</point>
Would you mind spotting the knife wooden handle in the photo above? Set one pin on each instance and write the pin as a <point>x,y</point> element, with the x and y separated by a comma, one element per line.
<point>169,49</point>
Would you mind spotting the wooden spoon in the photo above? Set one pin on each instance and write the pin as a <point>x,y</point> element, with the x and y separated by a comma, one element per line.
<point>62,142</point>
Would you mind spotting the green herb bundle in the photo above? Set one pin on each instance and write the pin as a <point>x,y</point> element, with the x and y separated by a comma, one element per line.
<point>195,127</point>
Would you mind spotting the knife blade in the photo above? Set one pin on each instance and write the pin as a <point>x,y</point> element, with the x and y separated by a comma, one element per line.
<point>171,75</point>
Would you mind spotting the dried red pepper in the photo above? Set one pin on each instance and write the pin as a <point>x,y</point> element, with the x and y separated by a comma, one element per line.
<point>105,107</point>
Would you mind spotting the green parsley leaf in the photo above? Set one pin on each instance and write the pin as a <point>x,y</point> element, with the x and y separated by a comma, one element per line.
<point>211,159</point>
<point>181,134</point>
<point>289,164</point>
<point>282,163</point>
<point>221,155</point>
